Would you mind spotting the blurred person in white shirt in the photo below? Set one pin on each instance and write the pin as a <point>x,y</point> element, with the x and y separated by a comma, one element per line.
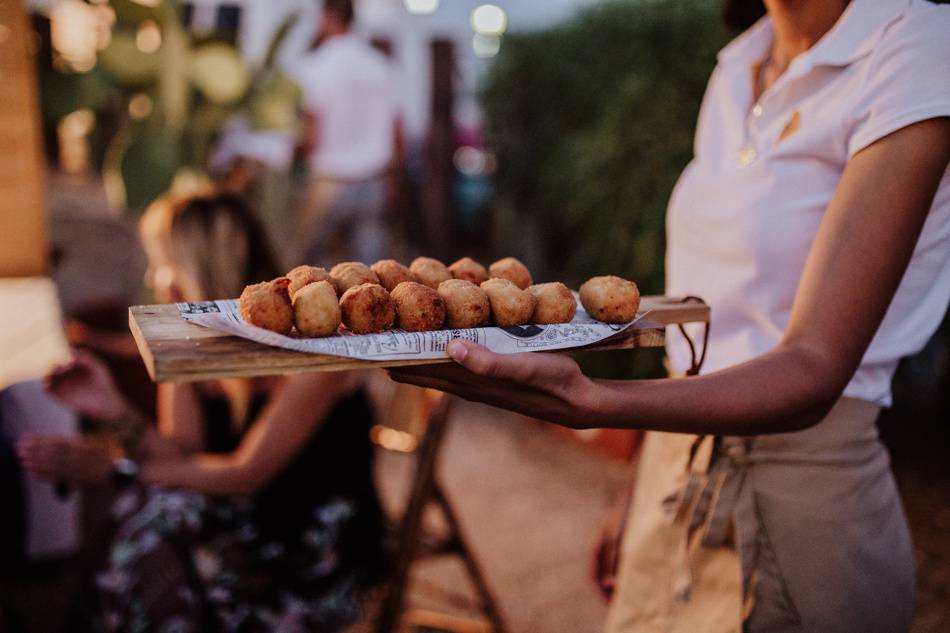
<point>353,140</point>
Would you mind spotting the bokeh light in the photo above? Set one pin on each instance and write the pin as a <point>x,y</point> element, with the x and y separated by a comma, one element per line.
<point>140,106</point>
<point>74,35</point>
<point>489,19</point>
<point>105,15</point>
<point>218,72</point>
<point>393,439</point>
<point>72,132</point>
<point>148,37</point>
<point>473,161</point>
<point>421,7</point>
<point>486,46</point>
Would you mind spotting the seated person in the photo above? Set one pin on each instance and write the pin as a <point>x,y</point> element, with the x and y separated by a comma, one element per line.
<point>253,506</point>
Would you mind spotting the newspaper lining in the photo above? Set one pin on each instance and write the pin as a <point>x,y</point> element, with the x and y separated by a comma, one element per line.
<point>395,344</point>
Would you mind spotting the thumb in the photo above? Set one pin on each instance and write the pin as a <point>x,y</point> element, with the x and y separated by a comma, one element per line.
<point>480,360</point>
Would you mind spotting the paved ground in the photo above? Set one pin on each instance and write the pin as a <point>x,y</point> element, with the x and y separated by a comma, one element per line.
<point>531,502</point>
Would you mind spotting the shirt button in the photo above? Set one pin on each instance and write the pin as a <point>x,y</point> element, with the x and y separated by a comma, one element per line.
<point>746,156</point>
<point>757,110</point>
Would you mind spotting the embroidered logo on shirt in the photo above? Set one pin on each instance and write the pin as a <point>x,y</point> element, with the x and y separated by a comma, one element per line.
<point>791,127</point>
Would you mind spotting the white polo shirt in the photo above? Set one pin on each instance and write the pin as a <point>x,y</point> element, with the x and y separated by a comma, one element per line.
<point>351,88</point>
<point>746,210</point>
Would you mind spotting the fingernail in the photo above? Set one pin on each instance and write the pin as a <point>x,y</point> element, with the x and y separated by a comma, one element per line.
<point>457,350</point>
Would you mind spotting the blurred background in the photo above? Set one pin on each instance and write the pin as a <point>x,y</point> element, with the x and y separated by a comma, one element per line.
<point>552,131</point>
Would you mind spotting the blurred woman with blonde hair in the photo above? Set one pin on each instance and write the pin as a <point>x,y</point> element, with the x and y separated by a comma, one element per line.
<point>252,507</point>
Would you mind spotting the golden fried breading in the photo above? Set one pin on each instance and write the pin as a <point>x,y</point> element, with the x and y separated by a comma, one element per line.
<point>430,272</point>
<point>267,305</point>
<point>316,309</point>
<point>367,308</point>
<point>469,270</point>
<point>466,305</point>
<point>556,303</point>
<point>419,308</point>
<point>514,271</point>
<point>510,305</point>
<point>610,299</point>
<point>345,275</point>
<point>303,275</point>
<point>391,273</point>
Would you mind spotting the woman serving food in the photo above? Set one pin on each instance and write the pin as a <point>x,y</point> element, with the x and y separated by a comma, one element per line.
<point>814,218</point>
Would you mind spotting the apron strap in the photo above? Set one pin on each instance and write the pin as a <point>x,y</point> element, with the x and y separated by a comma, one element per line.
<point>706,502</point>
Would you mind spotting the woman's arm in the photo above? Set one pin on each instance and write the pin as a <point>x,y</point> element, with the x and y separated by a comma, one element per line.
<point>293,415</point>
<point>855,265</point>
<point>180,417</point>
<point>85,386</point>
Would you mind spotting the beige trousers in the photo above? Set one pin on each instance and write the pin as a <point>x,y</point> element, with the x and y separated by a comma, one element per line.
<point>343,220</point>
<point>788,533</point>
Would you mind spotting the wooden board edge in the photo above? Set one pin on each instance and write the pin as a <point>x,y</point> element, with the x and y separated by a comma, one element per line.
<point>652,338</point>
<point>675,310</point>
<point>186,376</point>
<point>144,350</point>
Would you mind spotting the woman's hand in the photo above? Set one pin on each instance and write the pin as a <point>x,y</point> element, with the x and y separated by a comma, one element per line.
<point>61,458</point>
<point>545,386</point>
<point>85,386</point>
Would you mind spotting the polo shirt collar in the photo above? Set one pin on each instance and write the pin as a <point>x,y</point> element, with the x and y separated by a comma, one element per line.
<point>853,36</point>
<point>750,46</point>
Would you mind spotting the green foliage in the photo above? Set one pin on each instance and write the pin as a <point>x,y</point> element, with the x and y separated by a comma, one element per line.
<point>62,93</point>
<point>182,94</point>
<point>148,166</point>
<point>592,122</point>
<point>126,64</point>
<point>132,12</point>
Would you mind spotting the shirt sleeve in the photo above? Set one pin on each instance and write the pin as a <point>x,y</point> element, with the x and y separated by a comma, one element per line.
<point>909,78</point>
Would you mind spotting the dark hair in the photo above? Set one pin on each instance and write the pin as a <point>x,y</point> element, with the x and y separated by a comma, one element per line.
<point>342,9</point>
<point>741,14</point>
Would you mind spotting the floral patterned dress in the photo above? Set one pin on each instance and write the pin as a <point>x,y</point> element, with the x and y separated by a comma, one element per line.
<point>289,560</point>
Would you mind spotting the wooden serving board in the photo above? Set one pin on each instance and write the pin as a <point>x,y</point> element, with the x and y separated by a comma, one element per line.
<point>177,351</point>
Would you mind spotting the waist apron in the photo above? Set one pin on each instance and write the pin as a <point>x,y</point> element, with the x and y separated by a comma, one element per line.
<point>787,533</point>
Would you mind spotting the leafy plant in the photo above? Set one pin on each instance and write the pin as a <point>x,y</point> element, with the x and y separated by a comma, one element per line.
<point>164,105</point>
<point>592,121</point>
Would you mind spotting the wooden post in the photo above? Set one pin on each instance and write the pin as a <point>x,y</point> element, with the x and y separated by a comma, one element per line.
<point>23,243</point>
<point>31,334</point>
<point>438,197</point>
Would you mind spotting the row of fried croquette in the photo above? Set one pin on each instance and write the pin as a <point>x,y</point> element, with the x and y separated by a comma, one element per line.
<point>389,273</point>
<point>425,296</point>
